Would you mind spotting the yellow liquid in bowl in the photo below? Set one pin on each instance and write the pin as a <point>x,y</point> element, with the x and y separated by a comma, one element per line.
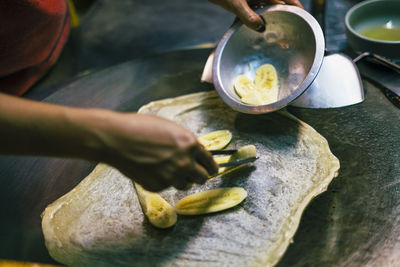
<point>382,32</point>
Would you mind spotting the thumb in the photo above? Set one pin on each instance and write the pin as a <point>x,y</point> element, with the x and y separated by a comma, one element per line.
<point>250,18</point>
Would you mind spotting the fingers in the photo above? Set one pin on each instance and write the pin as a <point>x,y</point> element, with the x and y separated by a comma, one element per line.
<point>202,156</point>
<point>192,165</point>
<point>152,185</point>
<point>196,169</point>
<point>195,173</point>
<point>248,16</point>
<point>180,184</point>
<point>277,2</point>
<point>295,3</point>
<point>255,3</point>
<point>181,179</point>
<point>198,174</point>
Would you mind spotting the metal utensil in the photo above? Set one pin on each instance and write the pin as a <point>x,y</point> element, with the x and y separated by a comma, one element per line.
<point>293,42</point>
<point>338,83</point>
<point>238,162</point>
<point>388,81</point>
<point>223,152</point>
<point>234,162</point>
<point>378,59</point>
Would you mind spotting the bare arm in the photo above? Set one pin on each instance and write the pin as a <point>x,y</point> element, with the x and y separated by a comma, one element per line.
<point>152,151</point>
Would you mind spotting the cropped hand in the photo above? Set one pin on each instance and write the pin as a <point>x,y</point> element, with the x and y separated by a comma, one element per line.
<point>243,10</point>
<point>150,150</point>
<point>153,151</point>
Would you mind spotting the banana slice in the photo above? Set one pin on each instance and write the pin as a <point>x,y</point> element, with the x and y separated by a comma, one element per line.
<point>264,90</point>
<point>266,77</point>
<point>159,212</point>
<point>268,96</point>
<point>245,152</point>
<point>255,98</point>
<point>244,86</point>
<point>219,159</point>
<point>211,201</point>
<point>216,140</point>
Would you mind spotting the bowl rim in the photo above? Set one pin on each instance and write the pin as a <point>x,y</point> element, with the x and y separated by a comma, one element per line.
<point>356,7</point>
<point>307,81</point>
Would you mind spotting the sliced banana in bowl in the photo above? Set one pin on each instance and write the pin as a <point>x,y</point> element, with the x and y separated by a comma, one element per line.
<point>244,86</point>
<point>266,77</point>
<point>264,90</point>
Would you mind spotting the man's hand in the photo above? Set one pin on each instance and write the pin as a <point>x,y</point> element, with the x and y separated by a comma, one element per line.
<point>242,9</point>
<point>152,151</point>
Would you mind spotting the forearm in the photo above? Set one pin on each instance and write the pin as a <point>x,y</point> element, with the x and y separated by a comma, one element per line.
<point>152,151</point>
<point>36,128</point>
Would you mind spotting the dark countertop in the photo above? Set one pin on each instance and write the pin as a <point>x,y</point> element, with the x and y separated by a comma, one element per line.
<point>355,223</point>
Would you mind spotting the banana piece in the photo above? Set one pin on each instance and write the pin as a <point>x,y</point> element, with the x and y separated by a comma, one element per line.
<point>216,140</point>
<point>222,159</point>
<point>266,77</point>
<point>264,90</point>
<point>245,152</point>
<point>255,98</point>
<point>211,201</point>
<point>266,82</point>
<point>269,95</point>
<point>244,86</point>
<point>159,212</point>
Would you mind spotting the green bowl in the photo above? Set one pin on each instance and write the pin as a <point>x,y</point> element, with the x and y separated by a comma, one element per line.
<point>373,26</point>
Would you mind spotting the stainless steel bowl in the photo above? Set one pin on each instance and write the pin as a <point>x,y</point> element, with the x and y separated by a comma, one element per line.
<point>293,42</point>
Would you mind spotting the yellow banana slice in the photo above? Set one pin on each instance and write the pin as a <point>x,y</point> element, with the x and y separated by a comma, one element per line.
<point>255,98</point>
<point>216,140</point>
<point>264,90</point>
<point>266,77</point>
<point>211,201</point>
<point>159,212</point>
<point>245,152</point>
<point>268,96</point>
<point>244,86</point>
<point>219,159</point>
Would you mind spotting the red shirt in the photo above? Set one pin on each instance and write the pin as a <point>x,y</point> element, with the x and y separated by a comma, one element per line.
<point>32,35</point>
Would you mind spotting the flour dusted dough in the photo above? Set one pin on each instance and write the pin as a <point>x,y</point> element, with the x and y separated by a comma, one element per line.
<point>100,222</point>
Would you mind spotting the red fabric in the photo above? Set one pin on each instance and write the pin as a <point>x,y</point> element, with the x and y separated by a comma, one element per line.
<point>32,34</point>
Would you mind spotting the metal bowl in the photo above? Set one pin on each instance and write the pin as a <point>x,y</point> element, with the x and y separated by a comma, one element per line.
<point>373,13</point>
<point>293,42</point>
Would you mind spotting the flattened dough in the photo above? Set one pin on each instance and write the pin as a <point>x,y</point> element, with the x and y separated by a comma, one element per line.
<point>100,222</point>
